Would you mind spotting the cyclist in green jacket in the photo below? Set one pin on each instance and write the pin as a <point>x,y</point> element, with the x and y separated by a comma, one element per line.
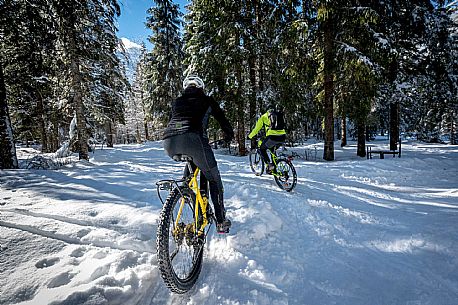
<point>274,125</point>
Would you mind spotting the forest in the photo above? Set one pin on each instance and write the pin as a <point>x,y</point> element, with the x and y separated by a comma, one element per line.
<point>341,70</point>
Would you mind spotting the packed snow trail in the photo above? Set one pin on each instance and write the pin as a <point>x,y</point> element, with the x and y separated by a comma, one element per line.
<point>353,231</point>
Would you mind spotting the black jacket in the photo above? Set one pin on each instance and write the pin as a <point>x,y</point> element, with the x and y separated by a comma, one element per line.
<point>191,111</point>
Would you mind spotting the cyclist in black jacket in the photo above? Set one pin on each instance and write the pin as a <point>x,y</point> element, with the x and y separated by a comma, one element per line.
<point>186,133</point>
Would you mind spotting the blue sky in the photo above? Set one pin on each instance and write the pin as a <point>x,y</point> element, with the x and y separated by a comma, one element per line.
<point>131,23</point>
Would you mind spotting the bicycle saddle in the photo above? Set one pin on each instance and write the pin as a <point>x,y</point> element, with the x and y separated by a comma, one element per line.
<point>182,158</point>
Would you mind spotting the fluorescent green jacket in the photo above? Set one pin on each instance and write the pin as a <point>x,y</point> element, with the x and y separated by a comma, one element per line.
<point>265,122</point>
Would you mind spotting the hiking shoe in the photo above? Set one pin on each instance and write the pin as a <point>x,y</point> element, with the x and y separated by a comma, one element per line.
<point>224,226</point>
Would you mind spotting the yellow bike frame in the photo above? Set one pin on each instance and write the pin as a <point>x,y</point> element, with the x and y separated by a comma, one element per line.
<point>201,202</point>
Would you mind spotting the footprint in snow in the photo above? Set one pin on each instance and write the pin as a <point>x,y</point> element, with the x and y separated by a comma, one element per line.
<point>93,213</point>
<point>46,262</point>
<point>61,280</point>
<point>114,221</point>
<point>82,233</point>
<point>5,200</point>
<point>79,252</point>
<point>100,255</point>
<point>99,272</point>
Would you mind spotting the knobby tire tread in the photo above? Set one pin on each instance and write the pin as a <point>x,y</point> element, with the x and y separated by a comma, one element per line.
<point>165,266</point>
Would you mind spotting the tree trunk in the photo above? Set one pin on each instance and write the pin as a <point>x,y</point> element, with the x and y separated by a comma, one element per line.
<point>252,65</point>
<point>77,99</point>
<point>55,131</point>
<point>252,102</point>
<point>328,153</point>
<point>394,108</point>
<point>240,125</point>
<point>394,125</point>
<point>109,133</point>
<point>138,135</point>
<point>361,128</point>
<point>145,123</point>
<point>338,128</point>
<point>8,157</point>
<point>240,110</point>
<point>452,128</point>
<point>76,80</point>
<point>241,136</point>
<point>344,132</point>
<point>42,118</point>
<point>83,152</point>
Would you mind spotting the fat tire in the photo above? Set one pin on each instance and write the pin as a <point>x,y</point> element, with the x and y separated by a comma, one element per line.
<point>171,280</point>
<point>294,177</point>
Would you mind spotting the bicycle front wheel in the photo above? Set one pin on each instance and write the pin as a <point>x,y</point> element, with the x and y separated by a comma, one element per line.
<point>285,175</point>
<point>179,248</point>
<point>256,163</point>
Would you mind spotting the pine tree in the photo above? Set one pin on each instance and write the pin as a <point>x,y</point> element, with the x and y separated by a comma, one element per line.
<point>441,69</point>
<point>165,62</point>
<point>205,50</point>
<point>109,75</point>
<point>135,110</point>
<point>82,29</point>
<point>143,116</point>
<point>291,64</point>
<point>416,79</point>
<point>361,55</point>
<point>29,48</point>
<point>8,157</point>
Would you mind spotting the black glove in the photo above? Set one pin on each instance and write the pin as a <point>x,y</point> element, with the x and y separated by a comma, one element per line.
<point>253,143</point>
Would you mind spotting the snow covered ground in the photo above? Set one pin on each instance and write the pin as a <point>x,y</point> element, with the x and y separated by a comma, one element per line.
<point>354,231</point>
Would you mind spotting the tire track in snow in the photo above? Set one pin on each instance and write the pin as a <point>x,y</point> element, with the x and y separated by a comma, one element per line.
<point>69,220</point>
<point>69,239</point>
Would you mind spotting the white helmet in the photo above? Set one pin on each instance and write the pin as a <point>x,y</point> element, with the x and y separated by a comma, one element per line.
<point>193,80</point>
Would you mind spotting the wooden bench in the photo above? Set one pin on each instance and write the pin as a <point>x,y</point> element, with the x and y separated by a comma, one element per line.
<point>382,153</point>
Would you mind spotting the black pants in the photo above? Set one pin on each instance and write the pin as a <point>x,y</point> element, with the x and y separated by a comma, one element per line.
<point>197,147</point>
<point>270,142</point>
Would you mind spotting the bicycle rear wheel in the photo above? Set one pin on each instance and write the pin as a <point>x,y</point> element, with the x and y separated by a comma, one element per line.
<point>256,163</point>
<point>285,175</point>
<point>179,249</point>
